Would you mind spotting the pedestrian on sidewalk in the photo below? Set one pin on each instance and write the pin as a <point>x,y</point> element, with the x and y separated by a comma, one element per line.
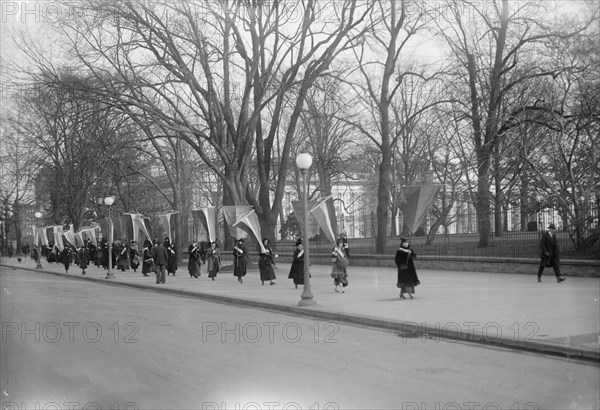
<point>161,259</point>
<point>407,274</point>
<point>122,255</point>
<point>134,256</point>
<point>148,262</point>
<point>213,257</point>
<point>84,258</point>
<point>340,263</point>
<point>65,257</point>
<point>297,269</point>
<point>240,260</point>
<point>550,254</point>
<point>266,262</point>
<point>194,260</point>
<point>344,237</point>
<point>172,257</point>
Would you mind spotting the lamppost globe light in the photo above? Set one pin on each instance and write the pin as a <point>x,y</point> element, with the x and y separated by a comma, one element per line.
<point>38,216</point>
<point>304,161</point>
<point>109,200</point>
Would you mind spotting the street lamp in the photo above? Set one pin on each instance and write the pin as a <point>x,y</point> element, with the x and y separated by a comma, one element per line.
<point>38,216</point>
<point>109,200</point>
<point>303,162</point>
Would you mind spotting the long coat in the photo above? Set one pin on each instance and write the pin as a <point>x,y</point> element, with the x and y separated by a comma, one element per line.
<point>160,255</point>
<point>84,257</point>
<point>240,261</point>
<point>407,274</point>
<point>265,264</point>
<point>297,269</point>
<point>549,252</point>
<point>194,260</point>
<point>147,261</point>
<point>213,261</point>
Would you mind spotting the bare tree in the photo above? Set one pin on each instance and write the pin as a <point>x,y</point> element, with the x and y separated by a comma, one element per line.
<point>218,75</point>
<point>489,44</point>
<point>393,26</point>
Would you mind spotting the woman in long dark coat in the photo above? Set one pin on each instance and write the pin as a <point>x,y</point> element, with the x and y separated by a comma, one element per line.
<point>266,262</point>
<point>240,260</point>
<point>407,274</point>
<point>122,255</point>
<point>194,260</point>
<point>297,269</point>
<point>172,260</point>
<point>65,257</point>
<point>84,258</point>
<point>147,261</point>
<point>213,257</point>
<point>134,256</point>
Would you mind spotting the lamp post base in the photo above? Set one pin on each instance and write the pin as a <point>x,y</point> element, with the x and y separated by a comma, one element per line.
<point>307,298</point>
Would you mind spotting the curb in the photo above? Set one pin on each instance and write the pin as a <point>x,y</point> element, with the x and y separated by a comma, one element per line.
<point>406,330</point>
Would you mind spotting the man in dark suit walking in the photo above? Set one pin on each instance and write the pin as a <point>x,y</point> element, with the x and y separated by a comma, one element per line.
<point>161,259</point>
<point>550,254</point>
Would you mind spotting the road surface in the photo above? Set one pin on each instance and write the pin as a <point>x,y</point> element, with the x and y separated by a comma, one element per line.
<point>74,344</point>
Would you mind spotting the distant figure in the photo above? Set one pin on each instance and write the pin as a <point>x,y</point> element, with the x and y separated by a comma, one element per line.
<point>297,269</point>
<point>65,257</point>
<point>266,263</point>
<point>407,274</point>
<point>147,260</point>
<point>134,256</point>
<point>550,254</point>
<point>213,256</point>
<point>338,270</point>
<point>240,260</point>
<point>344,238</point>
<point>122,251</point>
<point>84,258</point>
<point>161,260</point>
<point>194,260</point>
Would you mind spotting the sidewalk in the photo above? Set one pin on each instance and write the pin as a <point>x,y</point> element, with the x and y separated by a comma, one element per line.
<point>512,311</point>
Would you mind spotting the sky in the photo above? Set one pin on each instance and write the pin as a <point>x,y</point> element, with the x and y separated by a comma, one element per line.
<point>35,17</point>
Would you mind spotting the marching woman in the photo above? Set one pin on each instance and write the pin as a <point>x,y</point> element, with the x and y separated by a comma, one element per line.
<point>407,274</point>
<point>65,257</point>
<point>338,270</point>
<point>172,259</point>
<point>266,262</point>
<point>84,258</point>
<point>122,255</point>
<point>194,260</point>
<point>240,260</point>
<point>147,261</point>
<point>297,269</point>
<point>134,256</point>
<point>213,257</point>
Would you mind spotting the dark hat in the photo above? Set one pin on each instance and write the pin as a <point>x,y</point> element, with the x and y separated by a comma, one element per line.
<point>299,242</point>
<point>551,226</point>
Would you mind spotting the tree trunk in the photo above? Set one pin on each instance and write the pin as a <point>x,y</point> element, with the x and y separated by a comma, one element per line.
<point>483,207</point>
<point>383,202</point>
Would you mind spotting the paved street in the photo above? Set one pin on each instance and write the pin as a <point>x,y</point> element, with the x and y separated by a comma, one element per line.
<point>509,309</point>
<point>69,341</point>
